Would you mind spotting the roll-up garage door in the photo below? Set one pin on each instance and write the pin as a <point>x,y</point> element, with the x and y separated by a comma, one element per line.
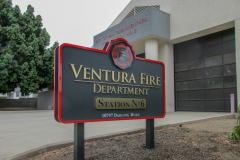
<point>205,72</point>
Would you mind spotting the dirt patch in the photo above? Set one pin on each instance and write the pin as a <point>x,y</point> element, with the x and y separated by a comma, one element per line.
<point>204,140</point>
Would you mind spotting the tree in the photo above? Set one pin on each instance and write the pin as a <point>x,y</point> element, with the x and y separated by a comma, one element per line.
<point>25,60</point>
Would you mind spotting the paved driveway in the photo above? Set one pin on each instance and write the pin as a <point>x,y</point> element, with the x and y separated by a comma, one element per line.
<point>21,131</point>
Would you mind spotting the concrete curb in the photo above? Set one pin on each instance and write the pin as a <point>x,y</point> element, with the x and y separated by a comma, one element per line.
<point>42,149</point>
<point>53,146</point>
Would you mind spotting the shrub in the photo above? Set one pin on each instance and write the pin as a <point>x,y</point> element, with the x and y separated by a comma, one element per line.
<point>236,134</point>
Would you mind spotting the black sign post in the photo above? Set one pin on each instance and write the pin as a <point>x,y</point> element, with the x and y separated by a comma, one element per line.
<point>105,85</point>
<point>79,141</point>
<point>150,133</point>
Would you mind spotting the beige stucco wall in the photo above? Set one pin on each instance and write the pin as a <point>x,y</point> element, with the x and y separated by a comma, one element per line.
<point>166,6</point>
<point>196,16</point>
<point>165,55</point>
<point>151,49</point>
<point>190,16</point>
<point>163,52</point>
<point>237,45</point>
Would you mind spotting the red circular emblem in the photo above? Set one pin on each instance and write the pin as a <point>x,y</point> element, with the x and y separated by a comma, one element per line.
<point>122,56</point>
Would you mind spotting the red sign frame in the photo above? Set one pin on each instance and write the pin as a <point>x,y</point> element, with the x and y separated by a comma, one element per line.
<point>104,52</point>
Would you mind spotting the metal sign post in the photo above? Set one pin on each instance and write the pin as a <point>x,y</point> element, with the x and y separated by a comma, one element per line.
<point>78,141</point>
<point>150,133</point>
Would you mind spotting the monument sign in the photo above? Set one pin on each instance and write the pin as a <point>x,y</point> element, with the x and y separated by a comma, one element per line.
<point>104,85</point>
<point>99,85</point>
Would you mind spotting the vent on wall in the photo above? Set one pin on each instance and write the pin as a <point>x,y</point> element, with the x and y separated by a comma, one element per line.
<point>139,9</point>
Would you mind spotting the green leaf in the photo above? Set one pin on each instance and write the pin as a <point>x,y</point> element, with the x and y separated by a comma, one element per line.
<point>236,136</point>
<point>230,136</point>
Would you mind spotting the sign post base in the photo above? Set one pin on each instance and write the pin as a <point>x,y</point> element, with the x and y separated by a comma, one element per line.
<point>78,141</point>
<point>150,133</point>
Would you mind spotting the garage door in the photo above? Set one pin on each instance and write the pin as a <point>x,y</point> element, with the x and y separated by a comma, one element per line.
<point>205,72</point>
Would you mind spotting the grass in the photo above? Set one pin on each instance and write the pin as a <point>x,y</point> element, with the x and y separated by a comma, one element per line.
<point>3,97</point>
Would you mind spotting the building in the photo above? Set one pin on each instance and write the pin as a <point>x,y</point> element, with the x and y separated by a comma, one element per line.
<point>3,95</point>
<point>199,42</point>
<point>16,94</point>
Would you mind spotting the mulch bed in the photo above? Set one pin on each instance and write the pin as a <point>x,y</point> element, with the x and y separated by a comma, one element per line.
<point>204,140</point>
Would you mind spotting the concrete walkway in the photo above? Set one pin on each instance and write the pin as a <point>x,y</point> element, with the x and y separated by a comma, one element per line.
<point>21,131</point>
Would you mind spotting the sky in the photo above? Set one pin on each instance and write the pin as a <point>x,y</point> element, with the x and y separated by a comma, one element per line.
<point>74,21</point>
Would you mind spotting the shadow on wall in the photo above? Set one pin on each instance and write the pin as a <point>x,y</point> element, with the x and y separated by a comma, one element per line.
<point>45,100</point>
<point>18,104</point>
